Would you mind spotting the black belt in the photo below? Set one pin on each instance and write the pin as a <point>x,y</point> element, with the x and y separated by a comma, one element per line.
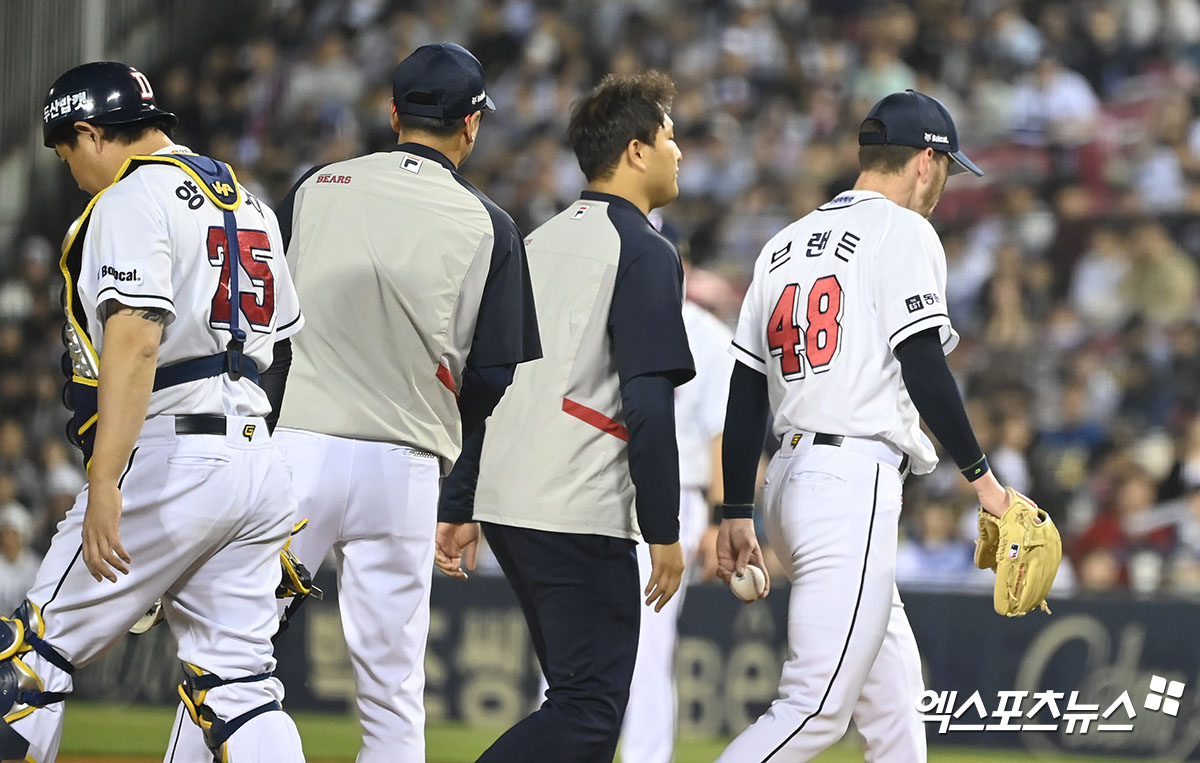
<point>836,440</point>
<point>200,423</point>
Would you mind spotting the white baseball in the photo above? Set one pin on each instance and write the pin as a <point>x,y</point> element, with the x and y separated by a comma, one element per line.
<point>749,585</point>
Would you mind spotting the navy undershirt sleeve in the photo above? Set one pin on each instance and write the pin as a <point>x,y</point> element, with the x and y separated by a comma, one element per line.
<point>274,379</point>
<point>456,501</point>
<point>747,419</point>
<point>935,394</point>
<point>481,392</point>
<point>649,406</point>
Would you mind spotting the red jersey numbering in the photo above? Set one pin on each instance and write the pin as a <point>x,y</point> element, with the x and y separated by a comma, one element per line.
<point>821,335</point>
<point>257,297</point>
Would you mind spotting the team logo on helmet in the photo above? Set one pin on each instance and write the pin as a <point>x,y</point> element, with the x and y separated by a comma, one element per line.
<point>147,92</point>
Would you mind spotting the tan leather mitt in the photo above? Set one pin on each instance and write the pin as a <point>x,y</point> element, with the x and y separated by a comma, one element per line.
<point>1025,549</point>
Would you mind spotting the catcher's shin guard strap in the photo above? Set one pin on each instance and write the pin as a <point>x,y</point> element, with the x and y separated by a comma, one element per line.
<point>21,691</point>
<point>222,730</point>
<point>194,690</point>
<point>49,653</point>
<point>21,688</point>
<point>31,617</point>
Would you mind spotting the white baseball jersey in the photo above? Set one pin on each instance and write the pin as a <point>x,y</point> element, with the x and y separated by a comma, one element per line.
<point>833,294</point>
<point>134,254</point>
<point>700,404</point>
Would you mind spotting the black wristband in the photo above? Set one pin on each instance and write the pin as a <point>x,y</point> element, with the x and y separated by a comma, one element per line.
<point>737,511</point>
<point>976,470</point>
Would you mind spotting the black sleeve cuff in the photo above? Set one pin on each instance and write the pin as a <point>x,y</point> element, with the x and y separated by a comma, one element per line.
<point>737,511</point>
<point>935,394</point>
<point>977,469</point>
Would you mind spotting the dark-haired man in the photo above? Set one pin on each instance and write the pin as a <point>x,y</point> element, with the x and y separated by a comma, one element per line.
<point>421,310</point>
<point>842,338</point>
<point>175,292</point>
<point>585,427</point>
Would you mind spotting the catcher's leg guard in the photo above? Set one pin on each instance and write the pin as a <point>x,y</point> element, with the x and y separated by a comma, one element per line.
<point>22,690</point>
<point>208,715</point>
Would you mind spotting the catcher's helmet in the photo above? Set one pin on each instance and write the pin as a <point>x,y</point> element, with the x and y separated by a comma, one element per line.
<point>103,93</point>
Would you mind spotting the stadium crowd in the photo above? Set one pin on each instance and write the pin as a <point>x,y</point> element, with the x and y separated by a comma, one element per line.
<point>1072,266</point>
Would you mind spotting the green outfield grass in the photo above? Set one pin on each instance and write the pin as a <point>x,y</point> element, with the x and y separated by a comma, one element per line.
<point>106,734</point>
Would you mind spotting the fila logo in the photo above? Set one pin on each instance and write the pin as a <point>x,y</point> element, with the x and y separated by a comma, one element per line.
<point>108,271</point>
<point>1014,551</point>
<point>412,164</point>
<point>580,211</point>
<point>223,188</point>
<point>934,138</point>
<point>248,431</point>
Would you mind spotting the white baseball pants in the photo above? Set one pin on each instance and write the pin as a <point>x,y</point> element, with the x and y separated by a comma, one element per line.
<point>375,505</point>
<point>203,519</point>
<point>648,731</point>
<point>832,515</point>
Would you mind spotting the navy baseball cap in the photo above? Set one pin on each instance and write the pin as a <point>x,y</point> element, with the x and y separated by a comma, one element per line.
<point>920,121</point>
<point>441,80</point>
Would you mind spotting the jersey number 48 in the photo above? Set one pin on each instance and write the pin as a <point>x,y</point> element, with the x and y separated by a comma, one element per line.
<point>817,339</point>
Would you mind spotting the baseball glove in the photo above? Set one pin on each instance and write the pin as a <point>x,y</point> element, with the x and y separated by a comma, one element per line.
<point>1024,549</point>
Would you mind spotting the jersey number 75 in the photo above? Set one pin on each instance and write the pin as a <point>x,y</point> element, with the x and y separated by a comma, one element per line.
<point>818,339</point>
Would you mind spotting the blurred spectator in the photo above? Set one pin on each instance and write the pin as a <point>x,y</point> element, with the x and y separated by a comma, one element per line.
<point>27,295</point>
<point>18,563</point>
<point>14,459</point>
<point>1099,571</point>
<point>1072,268</point>
<point>934,555</point>
<point>1054,106</point>
<point>1096,290</point>
<point>1008,456</point>
<point>328,83</point>
<point>64,479</point>
<point>1137,536</point>
<point>1183,574</point>
<point>1161,282</point>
